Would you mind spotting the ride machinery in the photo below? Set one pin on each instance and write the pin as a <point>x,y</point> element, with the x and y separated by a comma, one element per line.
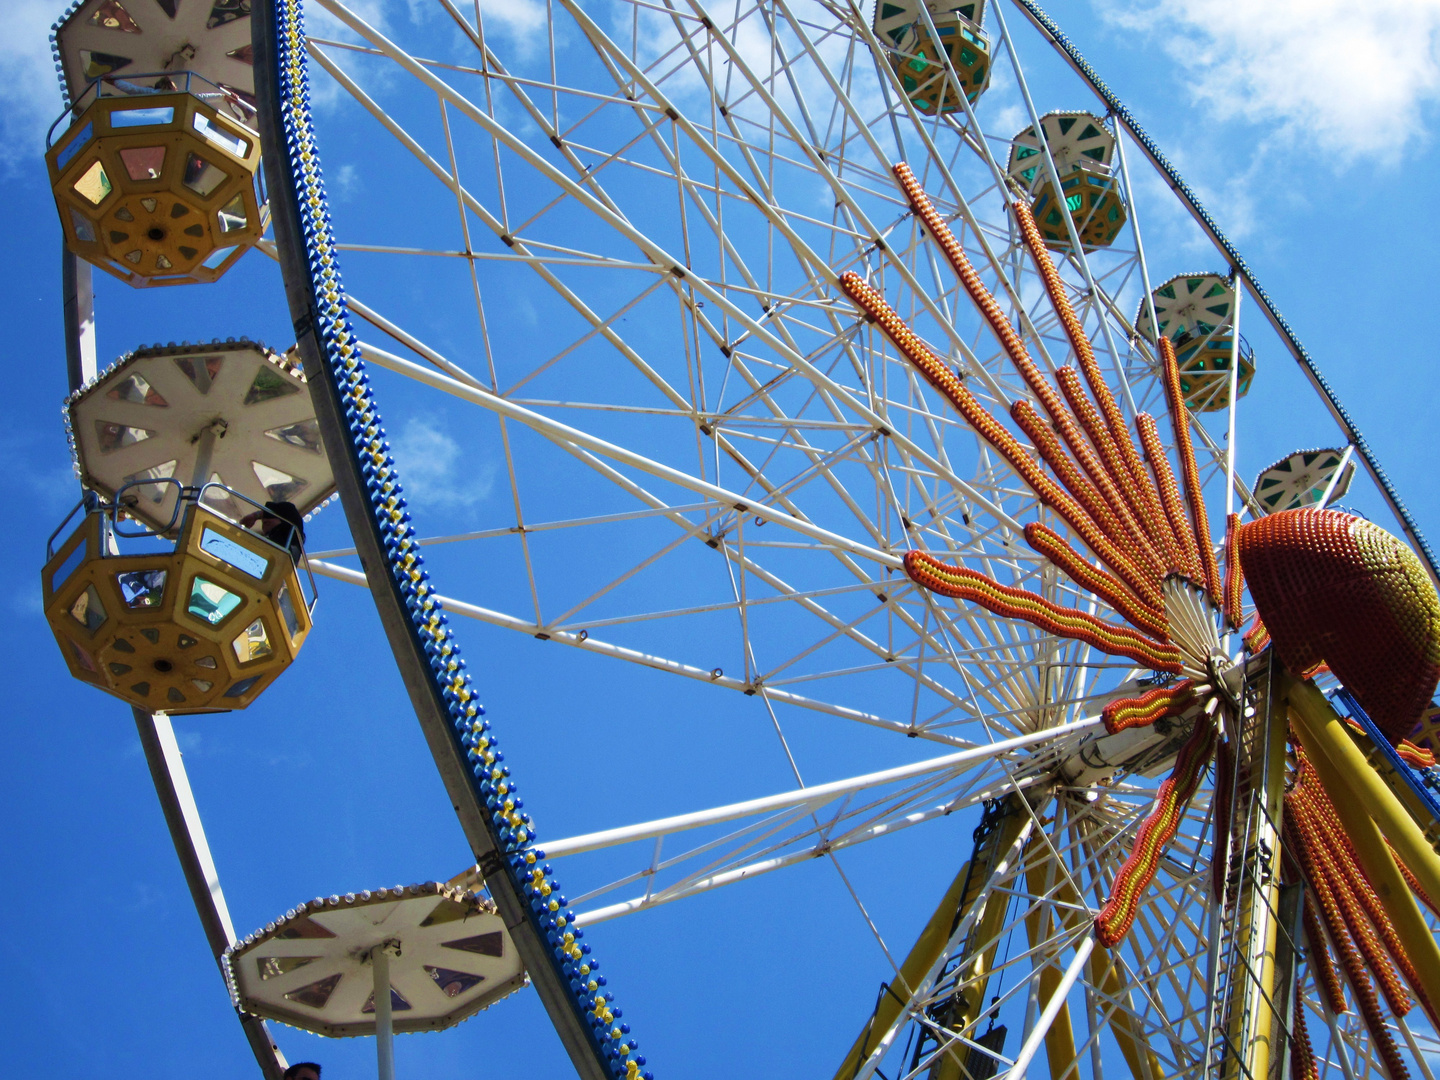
<point>1193,717</point>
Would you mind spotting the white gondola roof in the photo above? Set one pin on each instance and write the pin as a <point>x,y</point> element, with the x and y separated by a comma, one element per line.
<point>146,417</point>
<point>451,958</point>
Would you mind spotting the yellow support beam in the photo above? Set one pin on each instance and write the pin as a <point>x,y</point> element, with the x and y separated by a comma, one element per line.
<point>1318,727</point>
<point>953,908</point>
<point>1109,980</point>
<point>1424,820</point>
<point>1060,1039</point>
<point>1252,1015</point>
<point>969,1004</point>
<point>1252,1028</point>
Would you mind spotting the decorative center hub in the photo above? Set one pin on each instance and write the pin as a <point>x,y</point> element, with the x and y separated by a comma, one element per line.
<point>1225,677</point>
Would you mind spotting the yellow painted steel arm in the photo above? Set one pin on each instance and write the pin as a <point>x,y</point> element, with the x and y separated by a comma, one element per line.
<point>1424,820</point>
<point>924,954</point>
<point>1105,973</point>
<point>1060,1039</point>
<point>1256,929</point>
<point>1106,976</point>
<point>927,949</point>
<point>1323,733</point>
<point>977,966</point>
<point>1375,858</point>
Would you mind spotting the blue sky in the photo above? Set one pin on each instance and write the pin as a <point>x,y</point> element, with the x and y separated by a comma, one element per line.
<point>1308,130</point>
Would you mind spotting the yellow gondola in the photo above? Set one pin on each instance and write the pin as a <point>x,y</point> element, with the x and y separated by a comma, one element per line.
<point>157,188</point>
<point>203,625</point>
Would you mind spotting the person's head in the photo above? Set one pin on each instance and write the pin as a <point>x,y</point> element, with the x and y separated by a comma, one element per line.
<point>303,1070</point>
<point>289,513</point>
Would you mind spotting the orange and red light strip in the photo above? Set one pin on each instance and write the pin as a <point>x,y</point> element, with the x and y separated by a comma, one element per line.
<point>1126,463</point>
<point>1188,552</point>
<point>1143,711</point>
<point>1014,347</point>
<point>978,417</point>
<point>1234,576</point>
<point>1110,589</point>
<point>970,585</point>
<point>1311,827</point>
<point>1159,828</point>
<point>1199,519</point>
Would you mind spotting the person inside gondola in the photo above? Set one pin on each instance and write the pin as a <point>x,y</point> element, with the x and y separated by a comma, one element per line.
<point>280,523</point>
<point>303,1070</point>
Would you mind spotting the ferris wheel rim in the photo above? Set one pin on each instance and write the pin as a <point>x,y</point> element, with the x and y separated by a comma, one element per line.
<point>1076,962</point>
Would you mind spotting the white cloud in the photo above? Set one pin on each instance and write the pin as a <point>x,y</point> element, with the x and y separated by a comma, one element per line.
<point>29,87</point>
<point>519,18</point>
<point>27,600</point>
<point>1354,80</point>
<point>434,471</point>
<point>345,182</point>
<point>29,90</point>
<point>320,22</point>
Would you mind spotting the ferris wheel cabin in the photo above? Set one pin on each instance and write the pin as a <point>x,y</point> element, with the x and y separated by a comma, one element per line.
<point>440,953</point>
<point>1197,312</point>
<point>206,625</point>
<point>1083,151</point>
<point>157,188</point>
<point>154,162</point>
<point>919,58</point>
<point>179,447</point>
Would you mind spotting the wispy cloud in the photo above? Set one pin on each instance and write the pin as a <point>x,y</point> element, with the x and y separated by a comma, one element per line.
<point>435,471</point>
<point>520,21</point>
<point>29,92</point>
<point>345,181</point>
<point>1351,80</point>
<point>519,18</point>
<point>26,600</point>
<point>29,88</point>
<point>319,21</point>
<point>44,472</point>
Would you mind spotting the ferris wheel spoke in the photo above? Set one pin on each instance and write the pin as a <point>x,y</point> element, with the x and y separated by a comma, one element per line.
<point>583,640</point>
<point>555,430</point>
<point>777,216</point>
<point>1176,986</point>
<point>1162,968</point>
<point>815,158</point>
<point>726,498</point>
<point>940,982</point>
<point>671,395</point>
<point>519,248</point>
<point>780,853</point>
<point>782,589</point>
<point>579,636</point>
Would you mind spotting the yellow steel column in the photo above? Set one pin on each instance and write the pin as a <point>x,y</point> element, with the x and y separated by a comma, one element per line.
<point>1320,723</point>
<point>969,1003</point>
<point>922,955</point>
<point>1428,825</point>
<point>1060,1039</point>
<point>1318,726</point>
<point>1252,982</point>
<point>1106,977</point>
<point>931,943</point>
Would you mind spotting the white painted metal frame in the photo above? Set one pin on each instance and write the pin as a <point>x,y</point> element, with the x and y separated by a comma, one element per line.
<point>810,429</point>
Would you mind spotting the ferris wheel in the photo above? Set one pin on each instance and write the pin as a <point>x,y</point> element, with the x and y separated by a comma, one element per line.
<point>823,365</point>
